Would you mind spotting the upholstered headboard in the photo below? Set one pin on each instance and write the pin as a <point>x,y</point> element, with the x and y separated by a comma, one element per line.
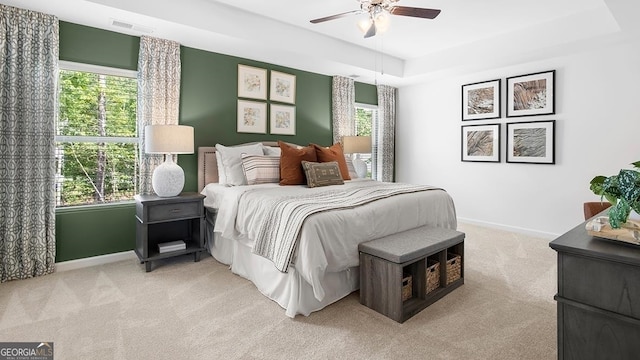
<point>208,166</point>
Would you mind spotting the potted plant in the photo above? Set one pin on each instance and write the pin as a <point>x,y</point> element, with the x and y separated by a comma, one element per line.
<point>622,191</point>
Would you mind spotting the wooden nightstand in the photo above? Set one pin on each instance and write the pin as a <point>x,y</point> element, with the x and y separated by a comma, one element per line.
<point>162,220</point>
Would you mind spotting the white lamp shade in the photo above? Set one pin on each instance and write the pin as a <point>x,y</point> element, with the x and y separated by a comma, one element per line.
<point>168,139</point>
<point>356,144</point>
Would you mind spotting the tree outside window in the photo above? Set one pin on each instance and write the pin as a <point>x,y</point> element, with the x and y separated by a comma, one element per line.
<point>96,138</point>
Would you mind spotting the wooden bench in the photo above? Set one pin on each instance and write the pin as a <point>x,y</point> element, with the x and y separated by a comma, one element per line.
<point>385,262</point>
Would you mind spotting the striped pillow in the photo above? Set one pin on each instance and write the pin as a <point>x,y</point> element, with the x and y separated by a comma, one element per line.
<point>261,169</point>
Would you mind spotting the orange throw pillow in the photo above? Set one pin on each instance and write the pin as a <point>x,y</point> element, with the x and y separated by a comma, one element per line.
<point>291,172</point>
<point>333,153</point>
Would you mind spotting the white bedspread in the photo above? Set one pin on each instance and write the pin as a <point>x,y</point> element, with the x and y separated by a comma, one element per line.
<point>328,241</point>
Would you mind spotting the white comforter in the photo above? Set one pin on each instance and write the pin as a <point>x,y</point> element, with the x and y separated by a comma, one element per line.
<point>328,241</point>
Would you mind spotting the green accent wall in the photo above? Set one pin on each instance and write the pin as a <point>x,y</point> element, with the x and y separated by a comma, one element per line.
<point>87,231</point>
<point>89,45</point>
<point>209,101</point>
<point>366,94</point>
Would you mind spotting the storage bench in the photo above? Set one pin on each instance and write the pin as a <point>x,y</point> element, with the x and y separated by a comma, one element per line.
<point>386,263</point>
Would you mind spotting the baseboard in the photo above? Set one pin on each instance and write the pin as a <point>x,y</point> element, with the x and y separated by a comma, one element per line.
<point>95,260</point>
<point>519,230</point>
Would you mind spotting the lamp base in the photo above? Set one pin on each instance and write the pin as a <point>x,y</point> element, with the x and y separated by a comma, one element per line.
<point>168,178</point>
<point>360,166</point>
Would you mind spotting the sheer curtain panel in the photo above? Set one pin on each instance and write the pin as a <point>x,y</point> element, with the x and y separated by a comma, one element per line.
<point>28,98</point>
<point>158,97</point>
<point>384,131</point>
<point>343,107</point>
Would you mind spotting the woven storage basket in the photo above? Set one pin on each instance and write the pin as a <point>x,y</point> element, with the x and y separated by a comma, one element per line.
<point>433,275</point>
<point>407,287</point>
<point>453,267</point>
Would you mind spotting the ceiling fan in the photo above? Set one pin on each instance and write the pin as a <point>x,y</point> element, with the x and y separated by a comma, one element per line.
<point>376,10</point>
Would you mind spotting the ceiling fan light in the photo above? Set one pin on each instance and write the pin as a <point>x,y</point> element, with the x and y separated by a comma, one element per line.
<point>382,22</point>
<point>364,24</point>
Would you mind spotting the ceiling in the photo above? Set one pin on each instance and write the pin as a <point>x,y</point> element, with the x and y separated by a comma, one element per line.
<point>468,35</point>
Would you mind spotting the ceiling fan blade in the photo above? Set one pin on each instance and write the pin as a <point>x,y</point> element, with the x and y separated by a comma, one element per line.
<point>336,16</point>
<point>372,30</point>
<point>415,12</point>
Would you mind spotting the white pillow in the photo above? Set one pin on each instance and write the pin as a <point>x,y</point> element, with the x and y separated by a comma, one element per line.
<point>222,177</point>
<point>261,169</point>
<point>271,150</point>
<point>352,170</point>
<point>231,160</point>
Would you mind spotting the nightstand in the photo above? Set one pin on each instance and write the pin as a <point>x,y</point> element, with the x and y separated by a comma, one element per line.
<point>163,220</point>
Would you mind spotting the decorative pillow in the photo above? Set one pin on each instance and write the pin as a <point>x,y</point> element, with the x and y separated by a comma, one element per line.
<point>322,174</point>
<point>333,153</point>
<point>231,160</point>
<point>291,172</point>
<point>352,170</point>
<point>271,150</point>
<point>261,169</point>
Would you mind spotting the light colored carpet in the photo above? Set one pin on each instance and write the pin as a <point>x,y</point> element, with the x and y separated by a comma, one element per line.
<point>187,310</point>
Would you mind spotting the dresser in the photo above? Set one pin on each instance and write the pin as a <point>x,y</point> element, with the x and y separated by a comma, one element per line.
<point>598,297</point>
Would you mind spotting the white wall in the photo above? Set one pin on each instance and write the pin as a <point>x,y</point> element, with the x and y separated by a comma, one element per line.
<point>597,133</point>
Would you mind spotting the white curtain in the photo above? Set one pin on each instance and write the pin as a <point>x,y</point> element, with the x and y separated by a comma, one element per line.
<point>343,107</point>
<point>384,131</point>
<point>158,96</point>
<point>28,108</point>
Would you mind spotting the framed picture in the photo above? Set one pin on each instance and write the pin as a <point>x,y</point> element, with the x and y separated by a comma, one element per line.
<point>252,117</point>
<point>252,82</point>
<point>531,142</point>
<point>481,143</point>
<point>283,120</point>
<point>283,87</point>
<point>481,100</point>
<point>532,94</point>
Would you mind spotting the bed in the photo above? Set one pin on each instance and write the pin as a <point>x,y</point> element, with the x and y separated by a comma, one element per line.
<point>323,265</point>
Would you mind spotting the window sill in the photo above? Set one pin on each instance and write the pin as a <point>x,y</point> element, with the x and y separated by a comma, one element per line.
<point>96,207</point>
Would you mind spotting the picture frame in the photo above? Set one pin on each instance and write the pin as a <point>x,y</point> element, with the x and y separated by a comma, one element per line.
<point>283,119</point>
<point>252,117</point>
<point>531,142</point>
<point>481,100</point>
<point>531,94</point>
<point>480,143</point>
<point>252,82</point>
<point>283,87</point>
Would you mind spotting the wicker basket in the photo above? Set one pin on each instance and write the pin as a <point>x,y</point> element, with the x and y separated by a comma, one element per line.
<point>407,287</point>
<point>433,275</point>
<point>453,267</point>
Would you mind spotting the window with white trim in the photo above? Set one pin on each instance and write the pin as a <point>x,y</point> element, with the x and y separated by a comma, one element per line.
<point>96,135</point>
<point>366,115</point>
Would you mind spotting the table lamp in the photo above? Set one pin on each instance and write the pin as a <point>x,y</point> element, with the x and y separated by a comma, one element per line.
<point>357,145</point>
<point>168,178</point>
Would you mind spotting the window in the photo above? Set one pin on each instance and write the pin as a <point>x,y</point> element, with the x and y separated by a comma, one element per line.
<point>366,115</point>
<point>96,135</point>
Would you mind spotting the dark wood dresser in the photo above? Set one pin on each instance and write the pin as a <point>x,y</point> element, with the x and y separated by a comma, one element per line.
<point>598,297</point>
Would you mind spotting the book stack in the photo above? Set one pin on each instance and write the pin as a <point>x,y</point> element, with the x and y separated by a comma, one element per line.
<point>171,246</point>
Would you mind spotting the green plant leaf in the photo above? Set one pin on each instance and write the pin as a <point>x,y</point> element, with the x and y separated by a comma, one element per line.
<point>597,184</point>
<point>629,185</point>
<point>619,213</point>
<point>636,164</point>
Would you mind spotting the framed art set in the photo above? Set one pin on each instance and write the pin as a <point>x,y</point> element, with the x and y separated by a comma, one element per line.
<point>252,115</point>
<point>530,142</point>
